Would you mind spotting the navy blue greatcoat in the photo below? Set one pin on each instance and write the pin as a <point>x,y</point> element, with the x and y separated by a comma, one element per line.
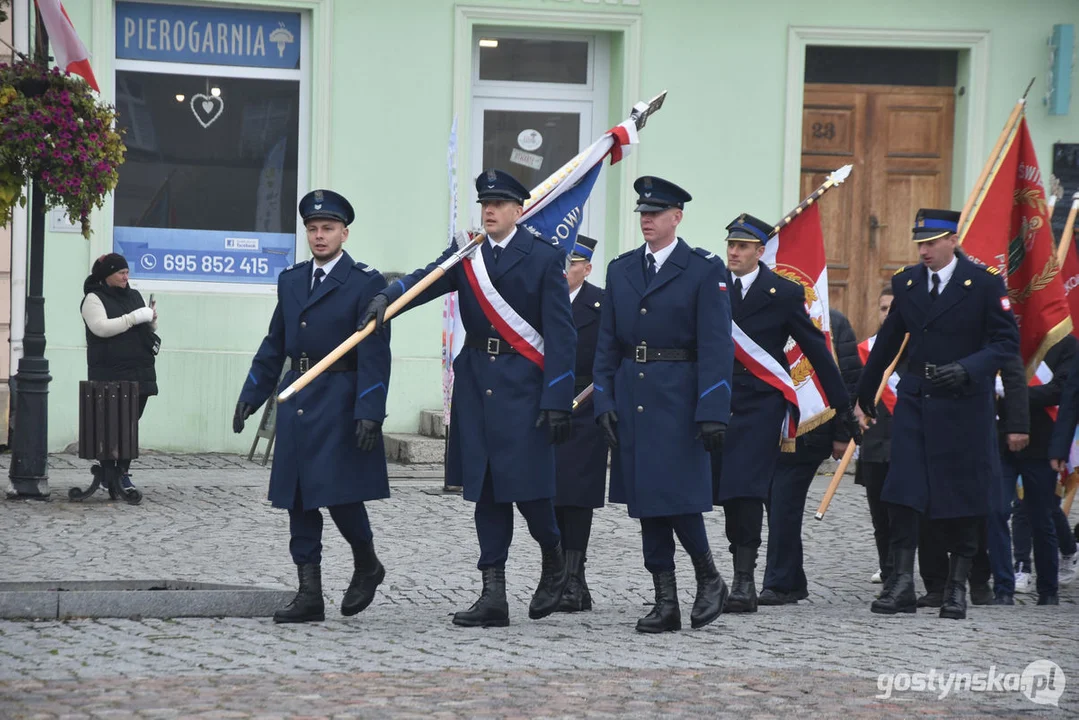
<point>581,462</point>
<point>660,467</point>
<point>497,398</point>
<point>315,450</point>
<point>772,311</point>
<point>945,450</point>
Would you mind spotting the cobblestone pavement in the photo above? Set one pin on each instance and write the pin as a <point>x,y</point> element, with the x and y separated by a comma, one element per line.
<point>205,518</point>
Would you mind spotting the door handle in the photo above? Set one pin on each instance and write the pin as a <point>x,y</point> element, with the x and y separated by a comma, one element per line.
<point>874,227</point>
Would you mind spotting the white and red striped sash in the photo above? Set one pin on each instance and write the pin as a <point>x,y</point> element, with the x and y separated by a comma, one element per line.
<point>889,396</point>
<point>767,368</point>
<point>513,328</point>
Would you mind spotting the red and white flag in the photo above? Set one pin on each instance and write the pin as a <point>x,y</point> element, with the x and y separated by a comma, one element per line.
<point>796,252</point>
<point>889,396</point>
<point>767,368</point>
<point>1043,375</point>
<point>70,52</point>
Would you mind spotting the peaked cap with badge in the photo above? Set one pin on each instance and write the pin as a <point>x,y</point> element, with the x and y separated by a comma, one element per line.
<point>583,250</point>
<point>656,194</point>
<point>746,228</point>
<point>930,224</point>
<point>326,205</point>
<point>499,185</point>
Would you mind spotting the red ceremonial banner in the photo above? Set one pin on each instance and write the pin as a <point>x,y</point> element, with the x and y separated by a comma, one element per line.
<point>1009,230</point>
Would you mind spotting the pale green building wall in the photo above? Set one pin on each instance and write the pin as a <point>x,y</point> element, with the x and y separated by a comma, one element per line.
<point>721,135</point>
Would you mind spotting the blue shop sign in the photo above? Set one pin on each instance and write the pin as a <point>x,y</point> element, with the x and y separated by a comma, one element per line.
<point>207,36</point>
<point>255,258</point>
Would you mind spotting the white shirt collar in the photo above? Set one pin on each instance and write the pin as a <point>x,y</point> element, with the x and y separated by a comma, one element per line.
<point>573,293</point>
<point>327,268</point>
<point>502,243</point>
<point>945,274</point>
<point>661,255</point>
<point>748,279</point>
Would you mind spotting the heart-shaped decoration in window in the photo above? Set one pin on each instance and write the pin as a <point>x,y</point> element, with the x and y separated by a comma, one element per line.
<point>206,108</point>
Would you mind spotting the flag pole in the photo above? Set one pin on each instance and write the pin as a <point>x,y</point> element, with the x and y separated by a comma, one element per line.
<point>849,453</point>
<point>1067,237</point>
<point>980,188</point>
<point>835,178</point>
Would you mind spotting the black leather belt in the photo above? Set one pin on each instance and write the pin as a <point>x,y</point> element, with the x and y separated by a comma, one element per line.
<point>740,369</point>
<point>303,364</point>
<point>491,346</point>
<point>922,370</point>
<point>646,354</point>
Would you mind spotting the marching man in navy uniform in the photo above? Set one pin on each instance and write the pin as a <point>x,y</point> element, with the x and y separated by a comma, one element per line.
<point>512,390</point>
<point>769,309</point>
<point>944,440</point>
<point>581,463</point>
<point>663,394</point>
<point>329,438</point>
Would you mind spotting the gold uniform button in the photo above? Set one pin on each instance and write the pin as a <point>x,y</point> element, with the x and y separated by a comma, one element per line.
<point>640,408</point>
<point>299,412</point>
<point>490,393</point>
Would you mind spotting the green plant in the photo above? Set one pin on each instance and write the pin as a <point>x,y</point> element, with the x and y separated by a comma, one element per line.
<point>54,130</point>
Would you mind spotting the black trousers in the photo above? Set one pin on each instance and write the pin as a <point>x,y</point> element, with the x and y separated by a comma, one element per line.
<point>872,475</point>
<point>933,543</point>
<point>744,519</point>
<point>957,536</point>
<point>575,524</point>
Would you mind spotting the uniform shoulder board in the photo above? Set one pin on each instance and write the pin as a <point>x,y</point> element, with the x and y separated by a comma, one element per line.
<point>366,268</point>
<point>626,254</point>
<point>706,254</point>
<point>992,270</point>
<point>902,270</point>
<point>296,265</point>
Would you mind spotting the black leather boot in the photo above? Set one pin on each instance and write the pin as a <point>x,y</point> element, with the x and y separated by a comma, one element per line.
<point>665,616</point>
<point>898,595</point>
<point>743,597</point>
<point>576,597</point>
<point>368,574</point>
<point>981,594</point>
<point>711,592</point>
<point>491,610</point>
<point>308,605</point>
<point>931,599</point>
<point>552,583</point>
<point>954,606</point>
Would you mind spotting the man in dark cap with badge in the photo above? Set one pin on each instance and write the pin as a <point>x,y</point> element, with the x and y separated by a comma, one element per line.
<point>512,390</point>
<point>768,309</point>
<point>329,437</point>
<point>944,441</point>
<point>662,396</point>
<point>581,463</point>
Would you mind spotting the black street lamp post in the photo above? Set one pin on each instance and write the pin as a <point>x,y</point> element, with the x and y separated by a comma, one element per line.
<point>30,429</point>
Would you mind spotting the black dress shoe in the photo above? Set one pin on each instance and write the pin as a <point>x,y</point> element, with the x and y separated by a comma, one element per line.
<point>308,605</point>
<point>769,596</point>
<point>491,609</point>
<point>932,599</point>
<point>711,592</point>
<point>368,573</point>
<point>665,615</point>
<point>981,594</point>
<point>1048,599</point>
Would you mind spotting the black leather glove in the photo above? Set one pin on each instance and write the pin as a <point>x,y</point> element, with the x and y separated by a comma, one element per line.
<point>376,310</point>
<point>950,377</point>
<point>609,422</point>
<point>869,408</point>
<point>243,411</point>
<point>559,425</point>
<point>712,435</point>
<point>850,424</point>
<point>368,433</point>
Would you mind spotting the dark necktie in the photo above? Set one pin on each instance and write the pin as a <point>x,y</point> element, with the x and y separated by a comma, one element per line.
<point>650,269</point>
<point>736,301</point>
<point>935,292</point>
<point>319,274</point>
<point>497,251</point>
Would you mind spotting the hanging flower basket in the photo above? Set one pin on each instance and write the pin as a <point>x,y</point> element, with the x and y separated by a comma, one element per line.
<point>54,131</point>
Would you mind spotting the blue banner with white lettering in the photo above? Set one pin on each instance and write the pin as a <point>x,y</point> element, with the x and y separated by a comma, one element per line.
<point>205,255</point>
<point>207,36</point>
<point>560,220</point>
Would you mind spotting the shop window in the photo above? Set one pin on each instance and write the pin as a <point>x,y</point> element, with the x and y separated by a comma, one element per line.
<point>212,122</point>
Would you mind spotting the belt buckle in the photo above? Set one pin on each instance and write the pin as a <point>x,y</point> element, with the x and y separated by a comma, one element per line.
<point>305,365</point>
<point>929,371</point>
<point>494,346</point>
<point>640,353</point>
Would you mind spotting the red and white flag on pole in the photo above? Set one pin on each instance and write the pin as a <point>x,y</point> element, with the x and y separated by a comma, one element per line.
<point>888,397</point>
<point>71,54</point>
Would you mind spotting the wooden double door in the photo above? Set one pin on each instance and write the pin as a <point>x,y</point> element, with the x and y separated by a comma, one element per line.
<point>899,140</point>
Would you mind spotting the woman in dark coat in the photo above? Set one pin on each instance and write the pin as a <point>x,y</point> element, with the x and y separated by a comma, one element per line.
<point>120,339</point>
